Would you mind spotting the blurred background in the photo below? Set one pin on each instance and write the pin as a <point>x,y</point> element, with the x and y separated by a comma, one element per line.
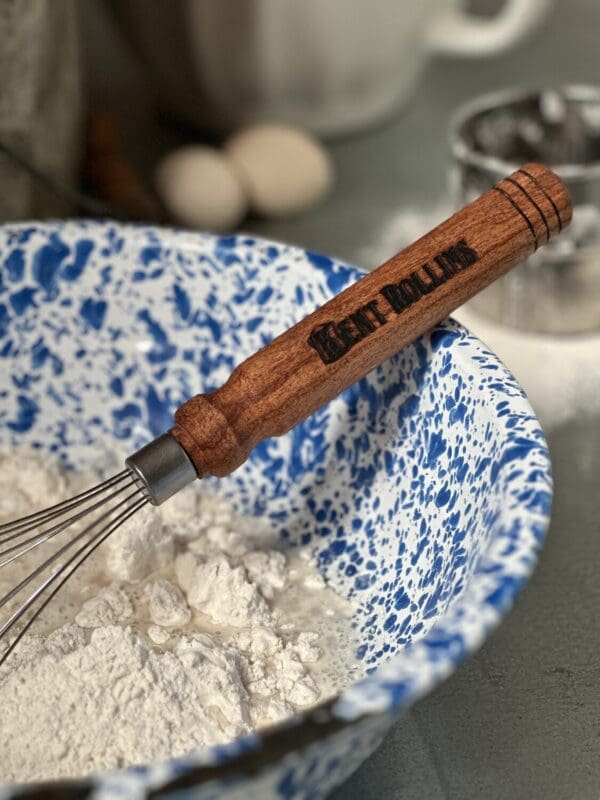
<point>112,88</point>
<point>332,124</point>
<point>377,81</point>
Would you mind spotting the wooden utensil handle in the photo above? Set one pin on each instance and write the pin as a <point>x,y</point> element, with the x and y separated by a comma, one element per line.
<point>312,362</point>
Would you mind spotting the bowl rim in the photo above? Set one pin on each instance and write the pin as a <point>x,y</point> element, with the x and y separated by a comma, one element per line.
<point>400,690</point>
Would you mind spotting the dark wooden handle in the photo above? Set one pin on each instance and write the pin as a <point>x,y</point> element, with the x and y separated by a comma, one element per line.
<point>309,364</point>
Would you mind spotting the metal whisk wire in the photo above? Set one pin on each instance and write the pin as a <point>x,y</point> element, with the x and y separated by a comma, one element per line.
<point>56,510</point>
<point>61,517</point>
<point>23,547</point>
<point>153,473</point>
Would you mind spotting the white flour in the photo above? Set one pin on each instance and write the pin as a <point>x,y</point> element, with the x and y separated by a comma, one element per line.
<point>187,629</point>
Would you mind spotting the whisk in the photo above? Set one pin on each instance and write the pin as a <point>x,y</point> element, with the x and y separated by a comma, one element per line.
<point>289,379</point>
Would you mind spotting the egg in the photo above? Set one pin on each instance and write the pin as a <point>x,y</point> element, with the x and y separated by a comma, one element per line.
<point>284,171</point>
<point>200,189</point>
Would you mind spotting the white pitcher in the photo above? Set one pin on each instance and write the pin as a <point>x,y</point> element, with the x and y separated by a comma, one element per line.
<point>335,65</point>
<point>332,66</point>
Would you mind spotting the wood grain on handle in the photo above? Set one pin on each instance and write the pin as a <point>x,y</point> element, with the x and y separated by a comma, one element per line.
<point>312,362</point>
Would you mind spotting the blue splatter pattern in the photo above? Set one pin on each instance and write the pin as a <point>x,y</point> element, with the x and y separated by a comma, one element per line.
<point>425,488</point>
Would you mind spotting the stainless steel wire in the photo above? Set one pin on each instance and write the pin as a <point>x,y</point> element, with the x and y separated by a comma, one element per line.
<point>86,521</point>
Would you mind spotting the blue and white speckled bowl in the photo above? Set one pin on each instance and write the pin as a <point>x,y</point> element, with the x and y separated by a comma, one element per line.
<point>425,488</point>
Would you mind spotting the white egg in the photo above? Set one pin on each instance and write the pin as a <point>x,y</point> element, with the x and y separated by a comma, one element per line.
<point>200,189</point>
<point>284,171</point>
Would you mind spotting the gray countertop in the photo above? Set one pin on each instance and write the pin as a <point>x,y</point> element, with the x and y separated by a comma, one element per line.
<point>522,718</point>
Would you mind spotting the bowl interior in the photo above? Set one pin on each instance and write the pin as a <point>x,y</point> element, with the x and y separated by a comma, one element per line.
<point>401,483</point>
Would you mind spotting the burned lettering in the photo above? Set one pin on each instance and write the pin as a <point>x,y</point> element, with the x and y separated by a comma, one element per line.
<point>332,339</point>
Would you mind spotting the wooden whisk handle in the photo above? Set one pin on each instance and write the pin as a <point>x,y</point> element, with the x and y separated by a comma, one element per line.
<point>328,351</point>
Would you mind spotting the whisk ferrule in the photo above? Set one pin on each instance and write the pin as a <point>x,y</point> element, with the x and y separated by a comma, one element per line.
<point>161,468</point>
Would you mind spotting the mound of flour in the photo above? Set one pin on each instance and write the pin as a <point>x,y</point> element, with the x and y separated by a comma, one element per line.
<point>188,629</point>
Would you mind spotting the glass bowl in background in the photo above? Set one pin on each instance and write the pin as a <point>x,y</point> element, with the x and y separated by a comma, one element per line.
<point>557,289</point>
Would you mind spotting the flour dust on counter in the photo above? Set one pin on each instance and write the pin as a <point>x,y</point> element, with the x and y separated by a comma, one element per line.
<point>189,627</point>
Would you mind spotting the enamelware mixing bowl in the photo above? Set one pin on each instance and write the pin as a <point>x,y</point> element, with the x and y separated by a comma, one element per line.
<point>425,488</point>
